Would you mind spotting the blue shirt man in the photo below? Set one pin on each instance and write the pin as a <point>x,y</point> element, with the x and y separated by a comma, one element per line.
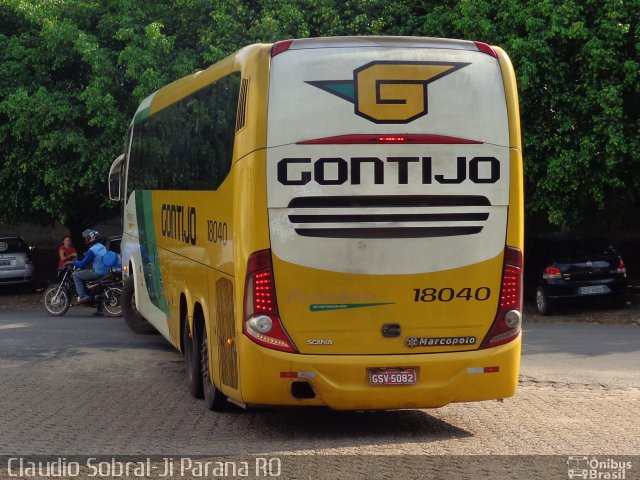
<point>95,257</point>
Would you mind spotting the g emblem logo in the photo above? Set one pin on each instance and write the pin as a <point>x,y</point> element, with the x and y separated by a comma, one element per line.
<point>389,91</point>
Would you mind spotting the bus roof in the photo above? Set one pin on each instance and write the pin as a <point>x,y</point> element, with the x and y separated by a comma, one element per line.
<point>382,41</point>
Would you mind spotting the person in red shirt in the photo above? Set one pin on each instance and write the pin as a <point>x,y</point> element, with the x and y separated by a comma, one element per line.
<point>66,252</point>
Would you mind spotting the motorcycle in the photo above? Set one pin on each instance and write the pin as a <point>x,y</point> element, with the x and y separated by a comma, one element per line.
<point>105,293</point>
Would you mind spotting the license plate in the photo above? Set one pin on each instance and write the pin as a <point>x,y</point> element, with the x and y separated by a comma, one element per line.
<point>392,376</point>
<point>593,290</point>
<point>4,263</point>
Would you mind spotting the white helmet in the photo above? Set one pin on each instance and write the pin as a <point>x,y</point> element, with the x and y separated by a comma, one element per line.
<point>90,235</point>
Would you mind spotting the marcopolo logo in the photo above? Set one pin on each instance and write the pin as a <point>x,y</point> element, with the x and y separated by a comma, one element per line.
<point>413,342</point>
<point>389,91</point>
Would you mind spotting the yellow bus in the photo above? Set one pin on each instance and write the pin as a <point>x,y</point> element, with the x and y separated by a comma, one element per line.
<point>331,222</point>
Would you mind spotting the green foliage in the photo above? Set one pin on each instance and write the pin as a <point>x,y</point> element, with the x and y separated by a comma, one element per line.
<point>577,65</point>
<point>72,73</point>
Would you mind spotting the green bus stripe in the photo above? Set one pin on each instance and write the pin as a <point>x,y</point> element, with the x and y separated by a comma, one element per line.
<point>142,114</point>
<point>149,249</point>
<point>323,307</point>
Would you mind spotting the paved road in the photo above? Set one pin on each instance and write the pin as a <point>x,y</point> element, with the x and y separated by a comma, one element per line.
<point>582,353</point>
<point>568,353</point>
<point>79,385</point>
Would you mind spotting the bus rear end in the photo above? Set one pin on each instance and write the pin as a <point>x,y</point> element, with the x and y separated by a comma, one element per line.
<point>394,195</point>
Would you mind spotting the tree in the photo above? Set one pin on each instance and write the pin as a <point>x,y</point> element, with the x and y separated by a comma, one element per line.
<point>60,113</point>
<point>578,70</point>
<point>73,72</point>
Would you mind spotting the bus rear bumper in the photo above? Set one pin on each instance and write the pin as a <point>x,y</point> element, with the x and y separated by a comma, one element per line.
<point>342,382</point>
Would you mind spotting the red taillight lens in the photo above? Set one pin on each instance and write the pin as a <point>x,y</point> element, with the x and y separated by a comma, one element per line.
<point>261,318</point>
<point>510,289</point>
<point>484,48</point>
<point>621,268</point>
<point>264,298</point>
<point>508,322</point>
<point>280,47</point>
<point>551,273</point>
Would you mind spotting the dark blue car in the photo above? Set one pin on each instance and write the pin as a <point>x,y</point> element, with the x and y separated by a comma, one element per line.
<point>565,266</point>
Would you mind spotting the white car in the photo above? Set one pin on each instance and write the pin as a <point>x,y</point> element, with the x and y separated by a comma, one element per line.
<point>16,264</point>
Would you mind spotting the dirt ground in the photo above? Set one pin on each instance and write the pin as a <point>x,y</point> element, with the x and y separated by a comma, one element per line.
<point>16,298</point>
<point>589,312</point>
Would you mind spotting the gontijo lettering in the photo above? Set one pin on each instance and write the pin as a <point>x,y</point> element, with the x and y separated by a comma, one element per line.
<point>178,222</point>
<point>338,171</point>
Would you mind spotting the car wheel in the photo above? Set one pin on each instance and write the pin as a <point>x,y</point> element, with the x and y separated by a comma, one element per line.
<point>542,301</point>
<point>619,301</point>
<point>30,287</point>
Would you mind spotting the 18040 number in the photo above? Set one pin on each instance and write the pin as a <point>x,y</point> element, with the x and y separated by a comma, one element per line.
<point>217,232</point>
<point>447,294</point>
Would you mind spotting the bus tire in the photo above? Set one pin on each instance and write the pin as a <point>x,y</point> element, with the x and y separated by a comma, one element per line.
<point>132,317</point>
<point>192,361</point>
<point>214,399</point>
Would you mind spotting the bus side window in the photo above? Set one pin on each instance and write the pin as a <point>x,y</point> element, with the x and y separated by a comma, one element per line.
<point>188,145</point>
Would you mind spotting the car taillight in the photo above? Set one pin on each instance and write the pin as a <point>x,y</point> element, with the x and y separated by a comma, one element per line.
<point>508,322</point>
<point>261,318</point>
<point>620,268</point>
<point>551,273</point>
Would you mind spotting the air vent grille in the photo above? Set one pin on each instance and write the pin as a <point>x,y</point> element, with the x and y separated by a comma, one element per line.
<point>242,104</point>
<point>411,216</point>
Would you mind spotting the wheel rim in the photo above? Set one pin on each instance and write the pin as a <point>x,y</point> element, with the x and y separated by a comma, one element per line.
<point>55,300</point>
<point>204,360</point>
<point>188,351</point>
<point>133,305</point>
<point>112,301</point>
<point>540,300</point>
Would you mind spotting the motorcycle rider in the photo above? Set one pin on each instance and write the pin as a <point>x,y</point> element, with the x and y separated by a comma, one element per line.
<point>94,256</point>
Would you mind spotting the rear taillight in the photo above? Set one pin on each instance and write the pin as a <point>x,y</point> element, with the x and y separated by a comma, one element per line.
<point>261,318</point>
<point>551,273</point>
<point>281,46</point>
<point>484,48</point>
<point>508,322</point>
<point>620,268</point>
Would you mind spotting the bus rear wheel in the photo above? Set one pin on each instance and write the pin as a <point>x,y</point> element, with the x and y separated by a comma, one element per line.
<point>192,359</point>
<point>214,399</point>
<point>132,317</point>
